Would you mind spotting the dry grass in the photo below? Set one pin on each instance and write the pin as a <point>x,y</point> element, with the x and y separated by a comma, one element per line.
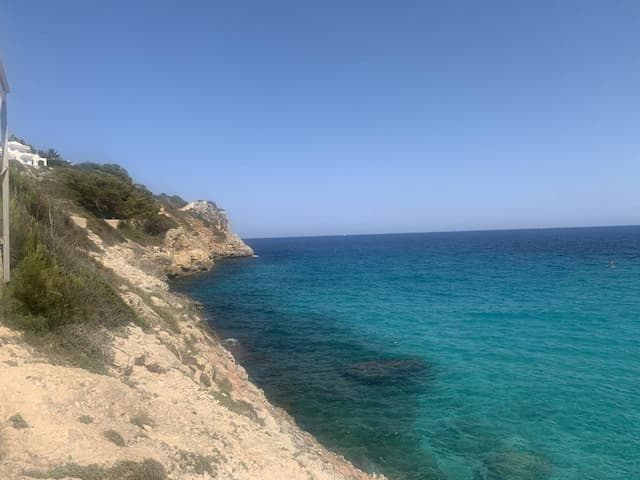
<point>199,464</point>
<point>68,321</point>
<point>80,345</point>
<point>238,406</point>
<point>224,384</point>
<point>168,315</point>
<point>148,469</point>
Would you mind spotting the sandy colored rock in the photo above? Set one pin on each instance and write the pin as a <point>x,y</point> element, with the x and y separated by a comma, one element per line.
<point>173,393</point>
<point>202,235</point>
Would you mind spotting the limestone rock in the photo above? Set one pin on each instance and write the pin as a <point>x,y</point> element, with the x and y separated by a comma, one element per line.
<point>202,235</point>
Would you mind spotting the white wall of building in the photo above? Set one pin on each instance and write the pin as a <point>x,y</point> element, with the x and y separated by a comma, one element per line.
<point>24,155</point>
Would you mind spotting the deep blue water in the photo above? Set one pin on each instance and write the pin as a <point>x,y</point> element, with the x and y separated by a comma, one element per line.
<point>527,347</point>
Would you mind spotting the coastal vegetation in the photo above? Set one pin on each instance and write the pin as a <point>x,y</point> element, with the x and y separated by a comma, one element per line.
<point>18,422</point>
<point>86,419</point>
<point>58,295</point>
<point>68,304</point>
<point>115,438</point>
<point>54,283</point>
<point>107,191</point>
<point>148,469</point>
<point>54,159</point>
<point>142,420</point>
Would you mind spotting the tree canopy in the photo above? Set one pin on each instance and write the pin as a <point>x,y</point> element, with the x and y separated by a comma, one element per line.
<point>107,191</point>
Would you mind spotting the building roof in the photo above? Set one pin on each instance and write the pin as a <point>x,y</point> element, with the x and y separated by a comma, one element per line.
<point>3,79</point>
<point>17,145</point>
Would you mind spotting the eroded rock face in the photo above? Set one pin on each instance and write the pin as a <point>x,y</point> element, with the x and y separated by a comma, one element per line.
<point>171,400</point>
<point>202,235</point>
<point>386,369</point>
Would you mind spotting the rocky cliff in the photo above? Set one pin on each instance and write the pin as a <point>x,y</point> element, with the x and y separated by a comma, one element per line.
<point>151,395</point>
<point>173,403</point>
<point>202,235</point>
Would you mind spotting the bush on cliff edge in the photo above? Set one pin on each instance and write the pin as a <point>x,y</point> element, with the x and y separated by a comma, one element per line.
<point>55,284</point>
<point>107,191</point>
<point>41,295</point>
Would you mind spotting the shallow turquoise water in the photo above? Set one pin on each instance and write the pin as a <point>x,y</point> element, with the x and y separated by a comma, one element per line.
<point>530,345</point>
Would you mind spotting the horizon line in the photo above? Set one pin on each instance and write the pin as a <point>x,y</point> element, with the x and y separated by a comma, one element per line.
<point>444,231</point>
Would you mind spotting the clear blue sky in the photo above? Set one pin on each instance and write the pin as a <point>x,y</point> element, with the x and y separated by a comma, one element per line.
<point>323,117</point>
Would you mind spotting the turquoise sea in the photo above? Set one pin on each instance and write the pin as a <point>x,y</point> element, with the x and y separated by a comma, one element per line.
<point>474,355</point>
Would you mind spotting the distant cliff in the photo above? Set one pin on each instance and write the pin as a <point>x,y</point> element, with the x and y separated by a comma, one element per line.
<point>182,237</point>
<point>202,234</point>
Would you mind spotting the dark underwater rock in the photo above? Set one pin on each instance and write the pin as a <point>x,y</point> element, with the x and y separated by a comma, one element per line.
<point>509,464</point>
<point>382,369</point>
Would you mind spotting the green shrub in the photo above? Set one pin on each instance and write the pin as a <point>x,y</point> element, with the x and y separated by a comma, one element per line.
<point>148,469</point>
<point>198,463</point>
<point>114,437</point>
<point>18,422</point>
<point>41,293</point>
<point>107,191</point>
<point>171,201</point>
<point>157,224</point>
<point>58,294</point>
<point>156,368</point>
<point>237,406</point>
<point>142,419</point>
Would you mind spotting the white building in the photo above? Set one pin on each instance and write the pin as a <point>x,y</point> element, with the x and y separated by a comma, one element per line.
<point>24,155</point>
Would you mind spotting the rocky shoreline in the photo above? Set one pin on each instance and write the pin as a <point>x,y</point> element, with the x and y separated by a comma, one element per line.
<point>173,402</point>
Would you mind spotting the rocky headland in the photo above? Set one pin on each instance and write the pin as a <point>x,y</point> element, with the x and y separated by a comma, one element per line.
<point>200,237</point>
